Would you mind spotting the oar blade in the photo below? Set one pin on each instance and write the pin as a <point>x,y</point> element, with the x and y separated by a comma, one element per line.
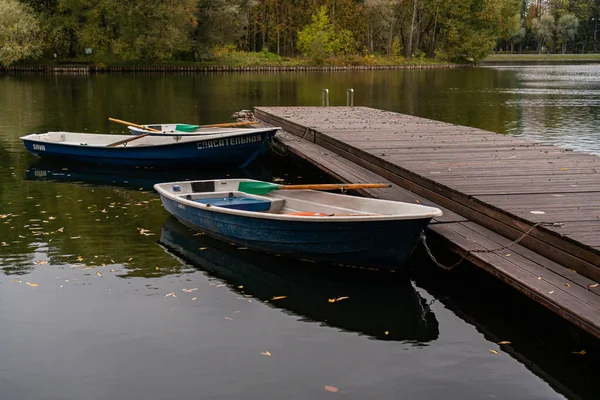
<point>186,127</point>
<point>257,187</point>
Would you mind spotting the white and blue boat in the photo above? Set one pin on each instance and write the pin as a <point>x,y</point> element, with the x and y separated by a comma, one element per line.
<point>236,147</point>
<point>305,224</point>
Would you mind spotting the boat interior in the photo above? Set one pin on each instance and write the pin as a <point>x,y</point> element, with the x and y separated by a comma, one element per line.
<point>305,203</point>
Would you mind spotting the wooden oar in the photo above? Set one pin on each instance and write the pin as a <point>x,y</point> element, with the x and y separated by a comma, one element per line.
<point>118,121</point>
<point>230,125</point>
<point>266,187</point>
<point>133,137</point>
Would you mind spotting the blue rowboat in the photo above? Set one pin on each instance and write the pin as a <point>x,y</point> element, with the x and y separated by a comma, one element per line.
<point>303,224</point>
<point>233,148</point>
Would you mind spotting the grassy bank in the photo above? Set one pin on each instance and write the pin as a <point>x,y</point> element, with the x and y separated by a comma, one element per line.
<point>502,58</point>
<point>234,60</point>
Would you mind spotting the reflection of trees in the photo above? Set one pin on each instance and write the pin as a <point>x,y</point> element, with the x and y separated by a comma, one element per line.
<point>76,225</point>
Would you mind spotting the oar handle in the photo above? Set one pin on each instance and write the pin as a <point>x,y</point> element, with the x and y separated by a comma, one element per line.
<point>133,137</point>
<point>118,121</point>
<point>334,186</point>
<point>230,124</point>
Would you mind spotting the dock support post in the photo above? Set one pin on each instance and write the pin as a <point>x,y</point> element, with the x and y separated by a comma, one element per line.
<point>350,97</point>
<point>325,98</point>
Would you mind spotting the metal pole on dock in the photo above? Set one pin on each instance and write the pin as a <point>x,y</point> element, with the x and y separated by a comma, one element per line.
<point>350,97</point>
<point>325,98</point>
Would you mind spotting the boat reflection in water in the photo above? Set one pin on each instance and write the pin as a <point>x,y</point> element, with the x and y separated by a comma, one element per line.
<point>371,304</point>
<point>144,178</point>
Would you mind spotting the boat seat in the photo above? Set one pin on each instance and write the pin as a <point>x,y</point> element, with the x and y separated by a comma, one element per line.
<point>237,201</point>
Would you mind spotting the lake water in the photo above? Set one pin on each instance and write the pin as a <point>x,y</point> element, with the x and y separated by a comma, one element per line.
<point>104,296</point>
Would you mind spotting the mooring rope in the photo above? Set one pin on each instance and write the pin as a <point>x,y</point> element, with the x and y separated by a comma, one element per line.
<point>516,241</point>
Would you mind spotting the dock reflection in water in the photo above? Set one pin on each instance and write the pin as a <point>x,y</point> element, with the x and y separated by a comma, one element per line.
<point>371,304</point>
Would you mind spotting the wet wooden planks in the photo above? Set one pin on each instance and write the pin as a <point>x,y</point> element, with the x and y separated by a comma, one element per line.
<point>560,289</point>
<point>469,171</point>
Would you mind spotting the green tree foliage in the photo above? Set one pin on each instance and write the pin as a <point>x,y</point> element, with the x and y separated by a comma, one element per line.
<point>318,40</point>
<point>456,30</point>
<point>543,29</point>
<point>19,32</point>
<point>566,28</point>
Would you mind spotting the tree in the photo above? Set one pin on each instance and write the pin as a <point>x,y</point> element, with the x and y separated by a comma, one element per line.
<point>19,32</point>
<point>566,28</point>
<point>318,40</point>
<point>543,29</point>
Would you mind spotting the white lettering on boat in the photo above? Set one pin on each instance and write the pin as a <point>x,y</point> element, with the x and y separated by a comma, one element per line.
<point>39,147</point>
<point>208,144</point>
<point>179,205</point>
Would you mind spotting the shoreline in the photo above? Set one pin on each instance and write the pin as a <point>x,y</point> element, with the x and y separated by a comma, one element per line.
<point>214,68</point>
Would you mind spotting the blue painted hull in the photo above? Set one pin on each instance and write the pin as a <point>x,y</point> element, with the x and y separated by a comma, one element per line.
<point>376,244</point>
<point>237,151</point>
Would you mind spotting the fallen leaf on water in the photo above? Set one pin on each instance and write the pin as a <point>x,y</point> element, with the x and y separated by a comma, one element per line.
<point>229,318</point>
<point>278,297</point>
<point>60,229</point>
<point>504,342</point>
<point>332,389</point>
<point>170,294</point>
<point>537,212</point>
<point>203,248</point>
<point>386,333</point>
<point>157,268</point>
<point>194,298</point>
<point>112,270</point>
<point>189,290</point>
<point>266,353</point>
<point>338,299</point>
<point>563,169</point>
<point>42,262</point>
<point>494,351</point>
<point>581,353</point>
<point>241,287</point>
<point>567,285</point>
<point>75,237</point>
<point>32,284</point>
<point>593,286</point>
<point>550,292</point>
<point>99,273</point>
<point>16,280</point>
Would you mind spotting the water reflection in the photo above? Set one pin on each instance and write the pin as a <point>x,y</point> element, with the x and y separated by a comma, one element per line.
<point>381,309</point>
<point>138,178</point>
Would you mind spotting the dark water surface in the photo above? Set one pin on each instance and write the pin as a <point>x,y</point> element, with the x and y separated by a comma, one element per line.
<point>104,296</point>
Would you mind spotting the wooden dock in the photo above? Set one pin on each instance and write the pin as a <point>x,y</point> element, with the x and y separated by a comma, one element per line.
<point>493,189</point>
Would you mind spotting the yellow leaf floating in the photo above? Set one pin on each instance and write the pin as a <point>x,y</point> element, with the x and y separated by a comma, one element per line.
<point>194,298</point>
<point>581,353</point>
<point>494,351</point>
<point>331,389</point>
<point>338,299</point>
<point>504,342</point>
<point>99,273</point>
<point>172,294</point>
<point>266,353</point>
<point>189,290</point>
<point>32,284</point>
<point>593,286</point>
<point>229,318</point>
<point>278,297</point>
<point>567,285</point>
